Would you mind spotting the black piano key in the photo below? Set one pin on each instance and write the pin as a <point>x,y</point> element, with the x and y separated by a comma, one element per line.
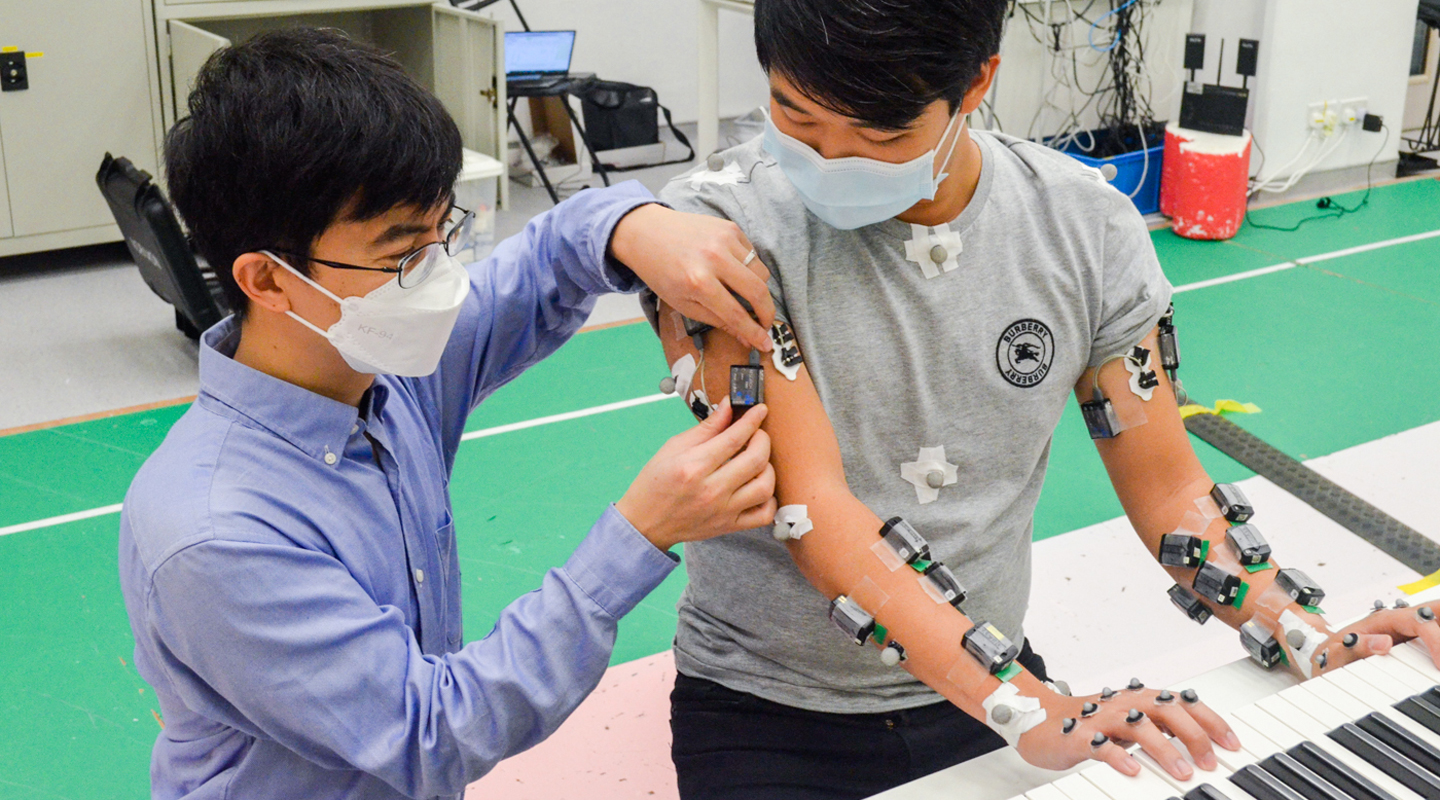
<point>1337,772</point>
<point>1422,710</point>
<point>1403,741</point>
<point>1206,792</point>
<point>1299,777</point>
<point>1432,694</point>
<point>1384,758</point>
<point>1262,785</point>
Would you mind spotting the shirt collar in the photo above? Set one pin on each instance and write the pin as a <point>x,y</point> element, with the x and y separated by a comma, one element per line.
<point>313,423</point>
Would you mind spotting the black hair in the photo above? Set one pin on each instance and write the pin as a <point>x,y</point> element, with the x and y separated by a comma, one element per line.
<point>290,129</point>
<point>880,61</point>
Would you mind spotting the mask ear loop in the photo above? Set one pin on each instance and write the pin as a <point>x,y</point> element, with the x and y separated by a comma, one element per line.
<point>291,314</point>
<point>939,179</point>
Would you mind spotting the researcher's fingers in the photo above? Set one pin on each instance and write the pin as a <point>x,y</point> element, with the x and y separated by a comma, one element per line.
<point>709,428</point>
<point>746,466</point>
<point>752,288</point>
<point>756,491</point>
<point>1175,719</point>
<point>724,445</point>
<point>1143,732</point>
<point>759,516</point>
<point>733,317</point>
<point>1114,755</point>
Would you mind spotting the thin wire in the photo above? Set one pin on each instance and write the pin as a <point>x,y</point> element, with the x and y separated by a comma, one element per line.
<point>1338,210</point>
<point>1116,40</point>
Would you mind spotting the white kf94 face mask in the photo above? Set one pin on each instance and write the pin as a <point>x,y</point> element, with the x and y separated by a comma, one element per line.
<point>391,330</point>
<point>852,192</point>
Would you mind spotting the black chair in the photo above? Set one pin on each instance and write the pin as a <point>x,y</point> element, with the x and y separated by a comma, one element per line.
<point>159,246</point>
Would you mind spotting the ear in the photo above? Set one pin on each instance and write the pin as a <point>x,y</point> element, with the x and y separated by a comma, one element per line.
<point>981,85</point>
<point>263,281</point>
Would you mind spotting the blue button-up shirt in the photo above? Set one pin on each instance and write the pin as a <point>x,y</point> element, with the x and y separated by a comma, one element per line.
<point>289,565</point>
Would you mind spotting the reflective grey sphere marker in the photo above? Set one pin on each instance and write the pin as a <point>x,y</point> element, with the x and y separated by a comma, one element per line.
<point>1425,613</point>
<point>1062,687</point>
<point>1402,603</point>
<point>1351,639</point>
<point>781,532</point>
<point>935,479</point>
<point>1002,714</point>
<point>1190,696</point>
<point>1135,716</point>
<point>715,162</point>
<point>1164,697</point>
<point>1295,639</point>
<point>1107,693</point>
<point>667,385</point>
<point>1099,740</point>
<point>890,657</point>
<point>1135,685</point>
<point>939,254</point>
<point>1109,171</point>
<point>1088,710</point>
<point>1067,725</point>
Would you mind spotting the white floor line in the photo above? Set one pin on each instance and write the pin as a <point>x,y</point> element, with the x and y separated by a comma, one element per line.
<point>1299,262</point>
<point>60,520</point>
<point>586,412</point>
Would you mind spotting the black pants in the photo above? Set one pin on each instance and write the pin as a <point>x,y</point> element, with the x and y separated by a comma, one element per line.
<point>729,745</point>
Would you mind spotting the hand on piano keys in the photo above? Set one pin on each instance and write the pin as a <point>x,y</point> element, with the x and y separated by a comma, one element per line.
<point>1366,731</point>
<point>1399,624</point>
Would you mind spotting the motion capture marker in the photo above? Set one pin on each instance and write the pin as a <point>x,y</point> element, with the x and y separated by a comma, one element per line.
<point>1190,696</point>
<point>935,249</point>
<point>1164,697</point>
<point>1391,536</point>
<point>1109,171</point>
<point>1067,725</point>
<point>1099,741</point>
<point>918,473</point>
<point>1002,714</point>
<point>1107,693</point>
<point>1425,614</point>
<point>938,254</point>
<point>715,162</point>
<point>1089,709</point>
<point>892,654</point>
<point>1135,717</point>
<point>1135,685</point>
<point>1402,603</point>
<point>1351,639</point>
<point>1322,660</point>
<point>1379,606</point>
<point>1295,638</point>
<point>934,479</point>
<point>1061,686</point>
<point>667,385</point>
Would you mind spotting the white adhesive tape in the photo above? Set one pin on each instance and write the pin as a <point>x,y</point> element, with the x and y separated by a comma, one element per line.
<point>931,460</point>
<point>683,371</point>
<point>730,175</point>
<point>1138,371</point>
<point>1303,655</point>
<point>793,522</point>
<point>1023,713</point>
<point>783,337</point>
<point>886,555</point>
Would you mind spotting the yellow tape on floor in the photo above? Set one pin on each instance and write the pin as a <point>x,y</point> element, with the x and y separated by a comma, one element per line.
<point>1221,407</point>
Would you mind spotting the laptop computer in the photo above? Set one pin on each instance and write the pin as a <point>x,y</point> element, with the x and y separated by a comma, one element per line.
<point>537,59</point>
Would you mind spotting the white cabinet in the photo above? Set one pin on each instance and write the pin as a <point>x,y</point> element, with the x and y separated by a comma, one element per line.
<point>115,74</point>
<point>89,92</point>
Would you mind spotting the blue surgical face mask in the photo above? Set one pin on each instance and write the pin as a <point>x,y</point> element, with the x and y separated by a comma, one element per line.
<point>850,193</point>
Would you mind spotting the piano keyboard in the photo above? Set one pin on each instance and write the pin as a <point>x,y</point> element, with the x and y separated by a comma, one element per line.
<point>1367,731</point>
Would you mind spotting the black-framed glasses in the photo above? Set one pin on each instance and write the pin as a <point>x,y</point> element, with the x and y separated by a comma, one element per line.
<point>415,266</point>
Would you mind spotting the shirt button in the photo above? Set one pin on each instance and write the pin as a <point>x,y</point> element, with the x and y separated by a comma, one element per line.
<point>331,458</point>
<point>419,576</point>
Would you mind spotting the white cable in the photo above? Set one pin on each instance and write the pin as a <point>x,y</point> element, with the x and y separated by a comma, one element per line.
<point>1319,158</point>
<point>1145,173</point>
<point>1261,184</point>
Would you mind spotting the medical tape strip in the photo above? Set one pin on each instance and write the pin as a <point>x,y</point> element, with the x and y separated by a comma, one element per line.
<point>1130,416</point>
<point>1313,640</point>
<point>1193,524</point>
<point>1207,507</point>
<point>683,371</point>
<point>795,521</point>
<point>887,556</point>
<point>1023,714</point>
<point>679,320</point>
<point>1143,379</point>
<point>730,175</point>
<point>868,595</point>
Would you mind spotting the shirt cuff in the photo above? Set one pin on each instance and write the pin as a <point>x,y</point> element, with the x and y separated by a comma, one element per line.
<point>616,566</point>
<point>628,196</point>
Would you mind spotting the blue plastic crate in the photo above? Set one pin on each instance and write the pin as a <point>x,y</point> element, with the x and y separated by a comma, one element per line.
<point>1130,171</point>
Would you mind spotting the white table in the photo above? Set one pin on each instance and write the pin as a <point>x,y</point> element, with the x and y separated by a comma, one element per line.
<point>708,50</point>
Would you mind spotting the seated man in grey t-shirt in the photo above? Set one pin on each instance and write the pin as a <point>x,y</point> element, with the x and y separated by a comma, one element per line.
<point>946,291</point>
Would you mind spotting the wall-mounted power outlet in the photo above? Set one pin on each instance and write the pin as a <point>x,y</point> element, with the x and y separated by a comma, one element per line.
<point>1330,116</point>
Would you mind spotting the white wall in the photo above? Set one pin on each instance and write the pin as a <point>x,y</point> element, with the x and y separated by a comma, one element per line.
<point>1313,51</point>
<point>652,43</point>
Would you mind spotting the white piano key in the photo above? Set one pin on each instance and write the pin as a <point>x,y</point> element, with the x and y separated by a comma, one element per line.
<point>1399,718</point>
<point>1415,656</point>
<point>1145,786</point>
<point>1254,743</point>
<point>1076,787</point>
<point>1269,727</point>
<point>1339,698</point>
<point>1369,672</point>
<point>1412,680</point>
<point>1307,701</point>
<point>1314,732</point>
<point>1359,688</point>
<point>1046,792</point>
<point>1177,786</point>
<point>1229,760</point>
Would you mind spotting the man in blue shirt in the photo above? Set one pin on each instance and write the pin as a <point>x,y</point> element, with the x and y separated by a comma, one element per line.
<point>288,555</point>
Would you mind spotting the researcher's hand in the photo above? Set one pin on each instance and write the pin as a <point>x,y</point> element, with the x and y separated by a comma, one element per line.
<point>694,263</point>
<point>713,479</point>
<point>1193,723</point>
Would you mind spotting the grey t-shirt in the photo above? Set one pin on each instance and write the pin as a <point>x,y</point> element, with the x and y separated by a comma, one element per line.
<point>1053,272</point>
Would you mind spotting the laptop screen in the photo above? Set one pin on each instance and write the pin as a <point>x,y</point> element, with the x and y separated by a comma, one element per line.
<point>528,52</point>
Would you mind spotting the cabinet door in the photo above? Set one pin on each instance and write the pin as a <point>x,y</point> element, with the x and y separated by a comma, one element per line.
<point>89,93</point>
<point>470,77</point>
<point>189,47</point>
